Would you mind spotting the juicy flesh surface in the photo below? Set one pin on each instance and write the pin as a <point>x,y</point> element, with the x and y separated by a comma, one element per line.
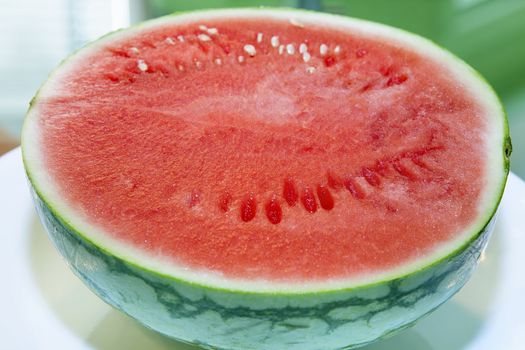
<point>262,161</point>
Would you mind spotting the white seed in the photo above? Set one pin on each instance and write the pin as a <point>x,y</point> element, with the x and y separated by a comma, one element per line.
<point>202,27</point>
<point>306,57</point>
<point>203,37</point>
<point>198,64</point>
<point>290,49</point>
<point>250,49</point>
<point>310,70</point>
<point>134,50</point>
<point>259,37</point>
<point>218,61</point>
<point>281,49</point>
<point>169,40</point>
<point>180,38</point>
<point>212,31</point>
<point>323,49</point>
<point>337,49</point>
<point>240,59</point>
<point>303,48</point>
<point>142,65</point>
<point>296,23</point>
<point>274,41</point>
<point>180,67</point>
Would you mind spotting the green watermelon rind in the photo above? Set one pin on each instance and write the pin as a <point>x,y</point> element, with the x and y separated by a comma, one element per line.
<point>233,318</point>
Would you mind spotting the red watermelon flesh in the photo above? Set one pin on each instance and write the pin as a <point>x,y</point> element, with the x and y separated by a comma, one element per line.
<point>267,148</point>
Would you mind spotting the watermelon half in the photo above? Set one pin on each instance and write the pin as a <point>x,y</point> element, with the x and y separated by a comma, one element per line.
<point>268,179</point>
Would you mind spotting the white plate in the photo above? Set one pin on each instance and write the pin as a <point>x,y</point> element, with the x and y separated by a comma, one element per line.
<point>44,306</point>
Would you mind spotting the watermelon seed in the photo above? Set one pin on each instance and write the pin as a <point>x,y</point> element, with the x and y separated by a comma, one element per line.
<point>290,49</point>
<point>274,41</point>
<point>203,27</point>
<point>259,37</point>
<point>203,37</point>
<point>323,49</point>
<point>240,59</point>
<point>134,50</point>
<point>142,65</point>
<point>337,49</point>
<point>310,70</point>
<point>169,40</point>
<point>218,61</point>
<point>281,49</point>
<point>250,49</point>
<point>325,197</point>
<point>212,31</point>
<point>273,210</point>
<point>303,48</point>
<point>308,200</point>
<point>306,57</point>
<point>329,61</point>
<point>290,192</point>
<point>248,208</point>
<point>180,38</point>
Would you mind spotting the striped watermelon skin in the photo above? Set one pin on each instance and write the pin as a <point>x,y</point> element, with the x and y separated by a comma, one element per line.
<point>228,319</point>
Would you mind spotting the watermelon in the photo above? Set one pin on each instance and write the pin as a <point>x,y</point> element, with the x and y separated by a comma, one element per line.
<point>268,179</point>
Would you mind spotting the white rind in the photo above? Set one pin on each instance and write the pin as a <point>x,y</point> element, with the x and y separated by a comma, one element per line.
<point>465,75</point>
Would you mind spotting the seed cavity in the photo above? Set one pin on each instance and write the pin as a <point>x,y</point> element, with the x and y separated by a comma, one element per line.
<point>325,197</point>
<point>308,200</point>
<point>259,37</point>
<point>290,49</point>
<point>195,198</point>
<point>290,192</point>
<point>334,182</point>
<point>274,41</point>
<point>250,49</point>
<point>248,208</point>
<point>371,177</point>
<point>224,202</point>
<point>273,210</point>
<point>361,53</point>
<point>353,187</point>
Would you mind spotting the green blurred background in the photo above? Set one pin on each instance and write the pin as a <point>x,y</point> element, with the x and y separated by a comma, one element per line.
<point>488,34</point>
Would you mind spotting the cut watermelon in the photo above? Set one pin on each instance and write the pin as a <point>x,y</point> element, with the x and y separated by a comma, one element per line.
<point>268,179</point>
